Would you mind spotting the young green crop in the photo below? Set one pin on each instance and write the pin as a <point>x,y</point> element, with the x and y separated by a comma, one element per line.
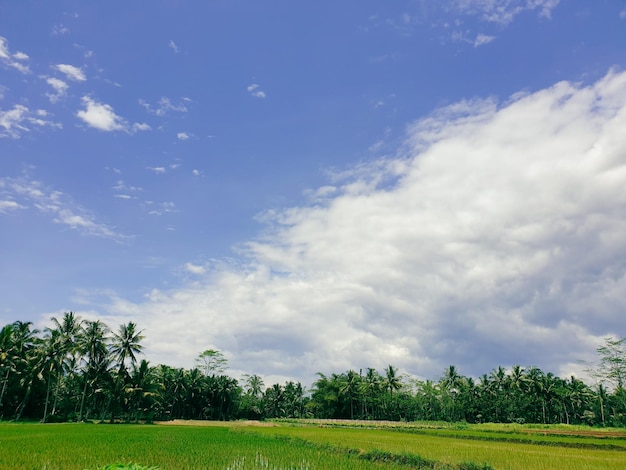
<point>454,450</point>
<point>84,446</point>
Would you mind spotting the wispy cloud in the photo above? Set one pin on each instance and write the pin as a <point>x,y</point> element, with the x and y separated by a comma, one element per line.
<point>9,206</point>
<point>14,60</point>
<point>60,30</point>
<point>502,11</point>
<point>183,136</point>
<point>172,45</point>
<point>159,170</point>
<point>482,39</point>
<point>165,106</point>
<point>141,127</point>
<point>32,194</point>
<point>14,122</point>
<point>71,72</point>
<point>60,89</point>
<point>161,208</point>
<point>500,225</point>
<point>194,268</point>
<point>256,91</point>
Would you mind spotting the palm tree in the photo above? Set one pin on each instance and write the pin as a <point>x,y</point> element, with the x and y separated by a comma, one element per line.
<point>69,328</point>
<point>392,381</point>
<point>349,387</point>
<point>8,358</point>
<point>126,344</point>
<point>92,343</point>
<point>370,387</point>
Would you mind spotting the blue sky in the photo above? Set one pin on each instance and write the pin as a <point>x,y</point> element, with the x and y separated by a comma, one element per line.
<point>319,186</point>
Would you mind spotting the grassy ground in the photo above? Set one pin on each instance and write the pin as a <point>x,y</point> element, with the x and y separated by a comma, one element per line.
<point>502,446</point>
<point>308,445</point>
<point>89,446</point>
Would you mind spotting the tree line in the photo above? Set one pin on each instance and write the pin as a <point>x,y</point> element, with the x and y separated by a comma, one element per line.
<point>79,370</point>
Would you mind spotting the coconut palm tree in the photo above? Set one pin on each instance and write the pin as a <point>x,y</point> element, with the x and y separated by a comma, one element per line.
<point>93,345</point>
<point>126,344</point>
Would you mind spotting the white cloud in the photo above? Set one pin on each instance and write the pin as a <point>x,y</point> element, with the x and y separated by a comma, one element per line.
<point>160,208</point>
<point>60,30</point>
<point>71,72</point>
<point>60,89</point>
<point>15,121</point>
<point>255,91</point>
<point>100,116</point>
<point>182,136</point>
<point>195,172</point>
<point>141,127</point>
<point>502,11</point>
<point>496,239</point>
<point>8,205</point>
<point>194,268</point>
<point>482,39</point>
<point>164,106</point>
<point>173,46</point>
<point>33,194</point>
<point>12,60</point>
<point>159,170</point>
<point>622,14</point>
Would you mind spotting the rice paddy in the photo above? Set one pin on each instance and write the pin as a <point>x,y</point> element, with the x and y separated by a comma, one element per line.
<point>306,445</point>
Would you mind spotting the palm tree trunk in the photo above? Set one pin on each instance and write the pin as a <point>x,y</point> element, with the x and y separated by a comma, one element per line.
<point>45,408</point>
<point>4,387</point>
<point>82,401</point>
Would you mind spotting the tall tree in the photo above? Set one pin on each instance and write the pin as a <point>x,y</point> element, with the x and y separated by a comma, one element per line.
<point>93,345</point>
<point>126,345</point>
<point>613,361</point>
<point>211,362</point>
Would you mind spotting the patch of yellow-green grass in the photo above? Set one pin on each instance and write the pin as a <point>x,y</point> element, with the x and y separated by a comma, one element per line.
<point>453,450</point>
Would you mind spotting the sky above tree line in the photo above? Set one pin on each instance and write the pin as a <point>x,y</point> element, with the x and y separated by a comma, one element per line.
<point>311,186</point>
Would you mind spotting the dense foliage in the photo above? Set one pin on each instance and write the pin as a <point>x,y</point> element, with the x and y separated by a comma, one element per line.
<point>79,370</point>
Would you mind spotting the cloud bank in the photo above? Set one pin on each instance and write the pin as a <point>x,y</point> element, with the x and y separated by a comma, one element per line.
<point>494,237</point>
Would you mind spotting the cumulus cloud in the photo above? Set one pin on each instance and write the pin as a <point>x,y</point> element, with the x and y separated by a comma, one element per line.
<point>71,72</point>
<point>34,195</point>
<point>494,238</point>
<point>14,60</point>
<point>255,91</point>
<point>100,116</point>
<point>182,136</point>
<point>60,89</point>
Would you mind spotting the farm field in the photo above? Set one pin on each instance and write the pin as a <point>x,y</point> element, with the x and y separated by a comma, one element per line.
<point>221,446</point>
<point>308,445</point>
<point>501,446</point>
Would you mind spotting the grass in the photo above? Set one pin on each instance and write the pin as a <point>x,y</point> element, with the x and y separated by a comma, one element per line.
<point>501,447</point>
<point>306,445</point>
<point>139,447</point>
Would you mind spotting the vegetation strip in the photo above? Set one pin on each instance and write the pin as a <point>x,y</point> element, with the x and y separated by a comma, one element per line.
<point>80,370</point>
<point>520,440</point>
<point>412,460</point>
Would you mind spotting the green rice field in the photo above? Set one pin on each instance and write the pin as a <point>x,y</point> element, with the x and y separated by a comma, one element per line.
<point>307,445</point>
